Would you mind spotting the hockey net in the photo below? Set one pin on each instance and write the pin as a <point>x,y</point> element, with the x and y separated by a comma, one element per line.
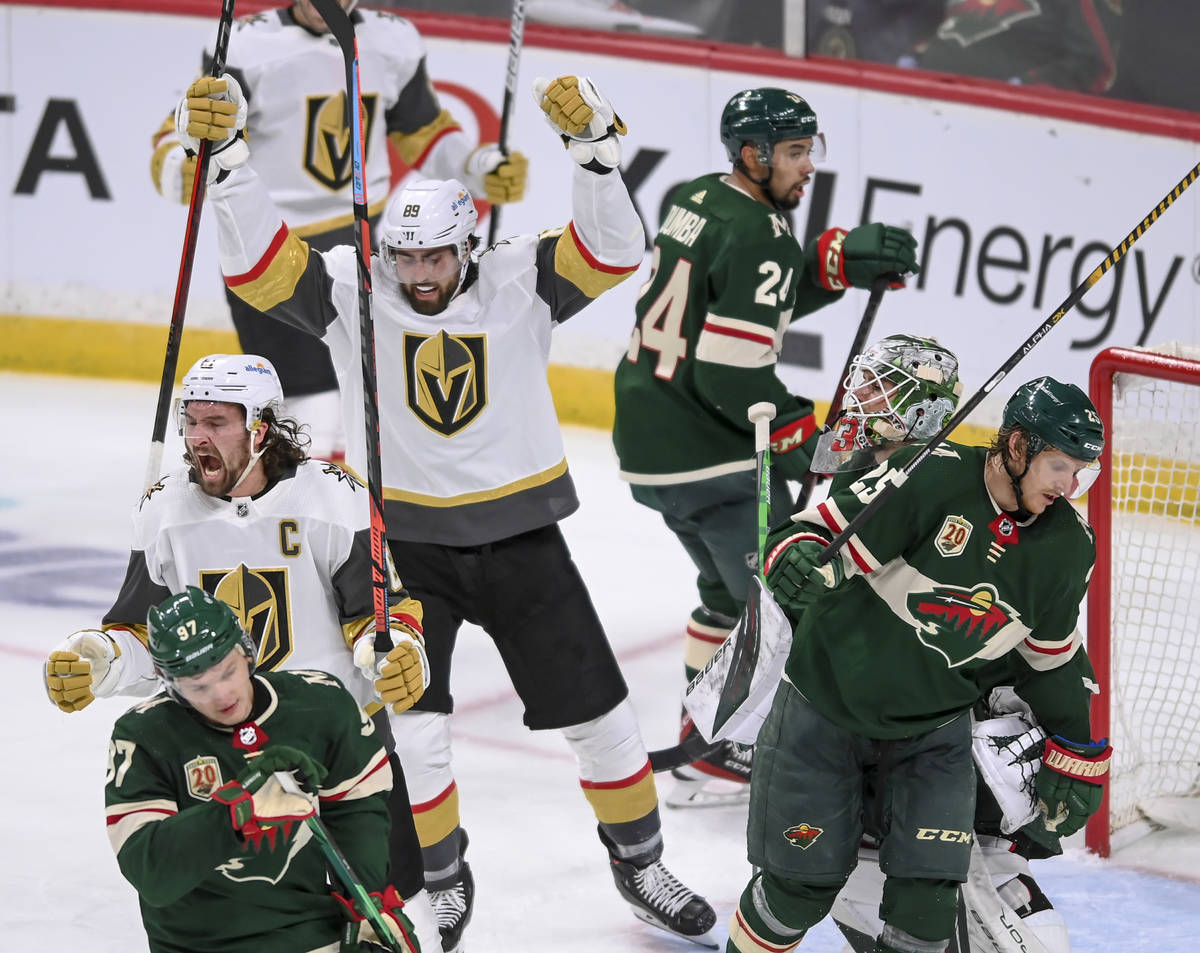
<point>1144,598</point>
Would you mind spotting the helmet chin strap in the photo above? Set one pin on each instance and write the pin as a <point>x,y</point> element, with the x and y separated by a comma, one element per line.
<point>254,457</point>
<point>1033,446</point>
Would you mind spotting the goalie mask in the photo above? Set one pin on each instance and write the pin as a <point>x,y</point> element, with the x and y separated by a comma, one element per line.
<point>901,389</point>
<point>424,217</point>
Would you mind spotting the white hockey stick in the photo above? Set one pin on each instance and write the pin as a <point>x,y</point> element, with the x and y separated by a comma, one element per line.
<point>992,925</point>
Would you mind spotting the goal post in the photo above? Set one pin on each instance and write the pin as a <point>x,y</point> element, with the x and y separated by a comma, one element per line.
<point>1143,606</point>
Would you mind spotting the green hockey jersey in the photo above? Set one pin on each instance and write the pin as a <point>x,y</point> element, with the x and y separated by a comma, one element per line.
<point>945,594</point>
<point>727,279</point>
<point>202,888</point>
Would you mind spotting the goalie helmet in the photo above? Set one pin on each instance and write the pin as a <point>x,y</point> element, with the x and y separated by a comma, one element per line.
<point>1057,415</point>
<point>764,117</point>
<point>429,214</point>
<point>191,632</point>
<point>901,388</point>
<point>245,379</point>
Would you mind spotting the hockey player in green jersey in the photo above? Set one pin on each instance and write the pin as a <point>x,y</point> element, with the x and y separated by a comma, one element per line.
<point>977,558</point>
<point>728,278</point>
<point>215,845</point>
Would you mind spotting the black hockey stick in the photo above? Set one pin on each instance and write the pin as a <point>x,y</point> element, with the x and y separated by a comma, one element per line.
<point>342,28</point>
<point>175,330</point>
<point>878,287</point>
<point>516,39</point>
<point>895,478</point>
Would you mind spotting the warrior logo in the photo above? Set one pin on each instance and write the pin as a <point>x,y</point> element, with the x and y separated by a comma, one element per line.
<point>260,599</point>
<point>328,156</point>
<point>969,21</point>
<point>446,379</point>
<point>203,776</point>
<point>958,623</point>
<point>803,835</point>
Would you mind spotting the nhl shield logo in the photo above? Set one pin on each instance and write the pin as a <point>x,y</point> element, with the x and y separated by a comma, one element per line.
<point>803,835</point>
<point>445,379</point>
<point>203,776</point>
<point>952,537</point>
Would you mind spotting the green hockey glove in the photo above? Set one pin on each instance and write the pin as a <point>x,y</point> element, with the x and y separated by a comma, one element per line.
<point>363,938</point>
<point>1070,783</point>
<point>793,574</point>
<point>792,445</point>
<point>838,259</point>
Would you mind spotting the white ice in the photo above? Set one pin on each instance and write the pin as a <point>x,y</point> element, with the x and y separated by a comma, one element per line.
<point>76,452</point>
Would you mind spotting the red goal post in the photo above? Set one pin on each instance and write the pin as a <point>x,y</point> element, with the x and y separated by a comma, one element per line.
<point>1143,606</point>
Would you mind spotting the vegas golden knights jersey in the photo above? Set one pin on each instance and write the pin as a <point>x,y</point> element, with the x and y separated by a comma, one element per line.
<point>293,562</point>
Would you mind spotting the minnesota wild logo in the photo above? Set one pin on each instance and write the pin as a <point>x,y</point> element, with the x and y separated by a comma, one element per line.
<point>959,623</point>
<point>803,835</point>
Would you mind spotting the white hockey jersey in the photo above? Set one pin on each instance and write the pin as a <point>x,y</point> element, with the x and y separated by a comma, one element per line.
<point>471,447</point>
<point>293,562</point>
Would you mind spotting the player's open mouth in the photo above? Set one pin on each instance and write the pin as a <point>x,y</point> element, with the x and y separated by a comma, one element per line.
<point>425,291</point>
<point>208,464</point>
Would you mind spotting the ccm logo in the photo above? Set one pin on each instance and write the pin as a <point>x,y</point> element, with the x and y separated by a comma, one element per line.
<point>937,833</point>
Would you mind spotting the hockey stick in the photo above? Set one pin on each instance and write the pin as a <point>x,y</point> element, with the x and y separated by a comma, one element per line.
<point>744,642</point>
<point>878,287</point>
<point>894,479</point>
<point>516,39</point>
<point>337,860</point>
<point>175,330</point>
<point>342,28</point>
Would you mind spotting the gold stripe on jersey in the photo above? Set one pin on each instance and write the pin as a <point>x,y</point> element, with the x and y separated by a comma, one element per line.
<point>414,146</point>
<point>436,819</point>
<point>617,802</point>
<point>338,221</point>
<point>407,613</point>
<point>480,496</point>
<point>139,631</point>
<point>277,273</point>
<point>579,266</point>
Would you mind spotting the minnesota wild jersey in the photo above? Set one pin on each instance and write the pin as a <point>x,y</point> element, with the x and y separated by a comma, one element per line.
<point>202,887</point>
<point>728,277</point>
<point>942,587</point>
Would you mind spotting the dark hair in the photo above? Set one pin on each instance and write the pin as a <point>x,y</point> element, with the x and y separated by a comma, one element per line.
<point>999,445</point>
<point>285,446</point>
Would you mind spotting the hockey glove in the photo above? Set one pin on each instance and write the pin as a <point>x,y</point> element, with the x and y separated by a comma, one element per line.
<point>495,175</point>
<point>400,675</point>
<point>214,109</point>
<point>172,170</point>
<point>259,804</point>
<point>793,575</point>
<point>792,445</point>
<point>1070,783</point>
<point>86,666</point>
<point>363,937</point>
<point>838,259</point>
<point>585,119</point>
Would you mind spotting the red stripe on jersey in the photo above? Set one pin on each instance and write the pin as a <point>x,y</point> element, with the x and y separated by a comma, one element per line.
<point>382,763</point>
<point>705,637</point>
<point>766,339</point>
<point>405,619</point>
<point>595,263</point>
<point>1055,651</point>
<point>431,804</point>
<point>117,818</point>
<point>833,525</point>
<point>263,263</point>
<point>433,142</point>
<point>623,783</point>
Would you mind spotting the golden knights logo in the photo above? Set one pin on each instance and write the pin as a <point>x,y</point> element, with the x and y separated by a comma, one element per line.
<point>260,599</point>
<point>959,623</point>
<point>803,835</point>
<point>445,379</point>
<point>328,155</point>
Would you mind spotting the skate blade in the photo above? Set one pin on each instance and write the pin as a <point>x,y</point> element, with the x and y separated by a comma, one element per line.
<point>711,792</point>
<point>706,940</point>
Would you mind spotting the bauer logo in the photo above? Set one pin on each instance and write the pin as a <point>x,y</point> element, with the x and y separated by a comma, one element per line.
<point>803,835</point>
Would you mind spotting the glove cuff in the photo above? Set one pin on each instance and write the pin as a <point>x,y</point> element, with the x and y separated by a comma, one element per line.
<point>791,436</point>
<point>778,549</point>
<point>1088,762</point>
<point>827,262</point>
<point>238,800</point>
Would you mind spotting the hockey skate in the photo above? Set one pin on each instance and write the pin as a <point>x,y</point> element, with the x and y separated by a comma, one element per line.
<point>658,898</point>
<point>721,778</point>
<point>452,906</point>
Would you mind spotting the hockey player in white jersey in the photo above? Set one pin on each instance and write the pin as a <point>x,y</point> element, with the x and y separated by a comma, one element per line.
<point>282,539</point>
<point>474,472</point>
<point>293,80</point>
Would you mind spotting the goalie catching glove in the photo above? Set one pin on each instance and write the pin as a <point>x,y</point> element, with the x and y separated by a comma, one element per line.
<point>401,674</point>
<point>838,259</point>
<point>86,666</point>
<point>364,938</point>
<point>585,119</point>
<point>215,110</point>
<point>793,575</point>
<point>258,802</point>
<point>1070,784</point>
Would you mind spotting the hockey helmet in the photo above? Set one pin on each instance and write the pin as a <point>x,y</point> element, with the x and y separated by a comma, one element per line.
<point>245,379</point>
<point>764,117</point>
<point>427,214</point>
<point>1057,415</point>
<point>191,632</point>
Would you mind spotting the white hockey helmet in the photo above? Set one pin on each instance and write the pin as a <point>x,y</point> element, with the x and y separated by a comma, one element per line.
<point>245,379</point>
<point>430,213</point>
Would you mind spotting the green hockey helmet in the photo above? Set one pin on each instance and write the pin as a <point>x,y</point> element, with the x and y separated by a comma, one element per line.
<point>191,632</point>
<point>764,117</point>
<point>1057,415</point>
